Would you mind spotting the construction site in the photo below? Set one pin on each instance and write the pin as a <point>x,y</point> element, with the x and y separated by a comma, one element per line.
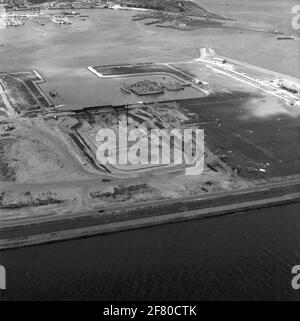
<point>49,164</point>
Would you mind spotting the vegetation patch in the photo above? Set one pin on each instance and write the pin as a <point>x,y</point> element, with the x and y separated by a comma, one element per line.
<point>13,199</point>
<point>28,160</point>
<point>7,173</point>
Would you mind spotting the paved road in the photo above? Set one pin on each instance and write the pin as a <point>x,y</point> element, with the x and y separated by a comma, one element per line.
<point>280,187</point>
<point>92,223</point>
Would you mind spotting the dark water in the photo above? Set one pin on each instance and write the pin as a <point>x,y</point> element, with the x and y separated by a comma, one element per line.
<point>247,256</point>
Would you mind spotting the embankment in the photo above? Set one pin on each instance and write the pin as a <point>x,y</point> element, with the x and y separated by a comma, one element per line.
<point>88,226</point>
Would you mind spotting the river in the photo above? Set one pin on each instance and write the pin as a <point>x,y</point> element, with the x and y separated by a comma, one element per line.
<point>246,256</point>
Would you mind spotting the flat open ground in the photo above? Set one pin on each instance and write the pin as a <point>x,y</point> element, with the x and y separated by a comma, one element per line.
<point>260,126</point>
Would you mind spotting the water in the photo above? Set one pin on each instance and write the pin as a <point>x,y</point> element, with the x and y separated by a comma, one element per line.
<point>62,53</point>
<point>246,256</point>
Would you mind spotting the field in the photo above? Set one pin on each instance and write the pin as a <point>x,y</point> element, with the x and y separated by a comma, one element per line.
<point>7,173</point>
<point>30,154</point>
<point>260,130</point>
<point>257,148</point>
<point>28,160</point>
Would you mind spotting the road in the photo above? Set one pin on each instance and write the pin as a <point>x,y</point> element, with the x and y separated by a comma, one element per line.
<point>92,223</point>
<point>281,186</point>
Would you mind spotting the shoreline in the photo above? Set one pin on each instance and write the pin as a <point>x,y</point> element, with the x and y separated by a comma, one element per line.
<point>131,223</point>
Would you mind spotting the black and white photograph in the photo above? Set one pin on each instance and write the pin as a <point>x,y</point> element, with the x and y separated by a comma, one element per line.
<point>149,154</point>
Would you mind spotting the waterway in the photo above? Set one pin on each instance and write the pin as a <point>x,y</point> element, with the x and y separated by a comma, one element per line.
<point>246,256</point>
<point>61,54</point>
